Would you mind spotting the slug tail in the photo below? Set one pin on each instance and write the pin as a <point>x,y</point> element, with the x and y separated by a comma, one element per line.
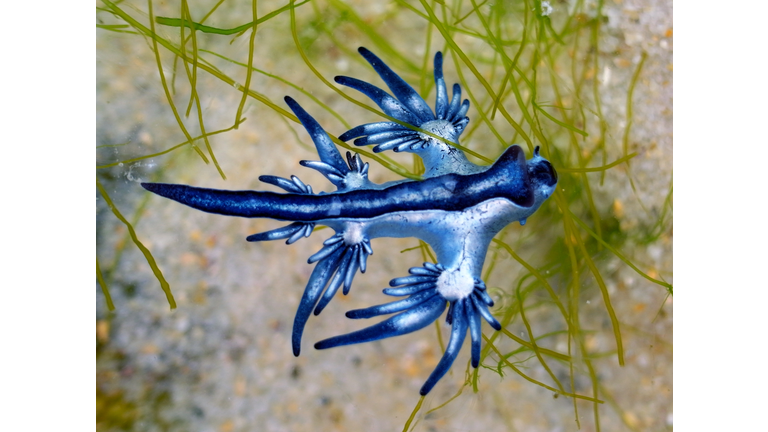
<point>245,203</point>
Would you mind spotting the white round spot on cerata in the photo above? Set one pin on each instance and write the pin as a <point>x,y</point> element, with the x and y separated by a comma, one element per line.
<point>455,284</point>
<point>353,234</point>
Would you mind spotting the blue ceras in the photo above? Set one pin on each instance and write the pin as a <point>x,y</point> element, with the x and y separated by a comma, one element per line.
<point>457,208</point>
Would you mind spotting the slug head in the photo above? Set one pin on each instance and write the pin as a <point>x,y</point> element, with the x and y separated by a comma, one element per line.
<point>543,176</point>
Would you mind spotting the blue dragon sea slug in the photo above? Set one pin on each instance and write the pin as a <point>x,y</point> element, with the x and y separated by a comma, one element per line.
<point>457,208</point>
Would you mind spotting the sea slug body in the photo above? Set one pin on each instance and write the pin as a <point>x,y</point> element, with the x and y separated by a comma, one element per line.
<point>457,208</point>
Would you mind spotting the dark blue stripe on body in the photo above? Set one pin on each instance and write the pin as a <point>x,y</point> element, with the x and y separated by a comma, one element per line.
<point>507,178</point>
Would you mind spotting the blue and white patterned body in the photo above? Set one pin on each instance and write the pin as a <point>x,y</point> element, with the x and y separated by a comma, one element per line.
<point>457,208</point>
